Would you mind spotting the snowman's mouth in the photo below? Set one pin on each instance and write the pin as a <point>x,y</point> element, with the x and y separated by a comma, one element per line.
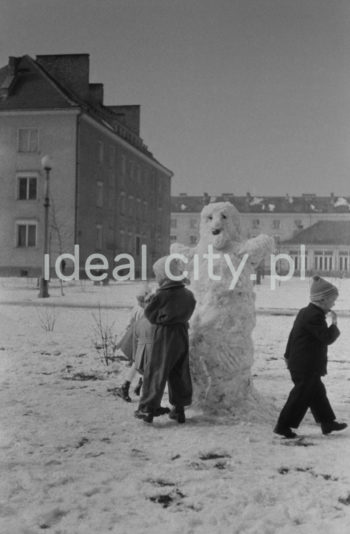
<point>216,232</point>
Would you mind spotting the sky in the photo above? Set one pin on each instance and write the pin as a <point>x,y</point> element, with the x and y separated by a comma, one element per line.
<point>236,96</point>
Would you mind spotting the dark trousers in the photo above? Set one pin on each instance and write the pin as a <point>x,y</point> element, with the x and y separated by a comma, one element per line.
<point>169,362</point>
<point>308,392</point>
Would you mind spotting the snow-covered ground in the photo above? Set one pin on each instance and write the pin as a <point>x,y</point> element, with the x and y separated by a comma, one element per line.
<point>74,460</point>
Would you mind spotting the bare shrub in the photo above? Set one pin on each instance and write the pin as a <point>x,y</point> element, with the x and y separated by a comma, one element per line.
<point>47,317</point>
<point>105,341</point>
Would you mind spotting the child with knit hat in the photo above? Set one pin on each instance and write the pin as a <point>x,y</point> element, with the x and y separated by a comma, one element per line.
<point>169,310</point>
<point>306,358</point>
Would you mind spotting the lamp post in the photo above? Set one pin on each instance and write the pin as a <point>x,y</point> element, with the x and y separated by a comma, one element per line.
<point>44,284</point>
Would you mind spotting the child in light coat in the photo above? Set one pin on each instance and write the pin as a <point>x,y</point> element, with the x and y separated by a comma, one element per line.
<point>129,344</point>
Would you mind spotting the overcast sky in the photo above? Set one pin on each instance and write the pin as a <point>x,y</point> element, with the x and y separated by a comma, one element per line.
<point>235,95</point>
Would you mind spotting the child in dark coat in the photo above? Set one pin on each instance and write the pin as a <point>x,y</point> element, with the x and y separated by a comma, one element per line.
<point>306,357</point>
<point>170,310</point>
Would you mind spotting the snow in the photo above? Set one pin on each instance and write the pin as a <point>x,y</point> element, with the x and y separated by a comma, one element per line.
<point>256,201</point>
<point>76,461</point>
<point>341,201</point>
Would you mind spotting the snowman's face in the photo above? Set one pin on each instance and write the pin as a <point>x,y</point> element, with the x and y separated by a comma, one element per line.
<point>219,225</point>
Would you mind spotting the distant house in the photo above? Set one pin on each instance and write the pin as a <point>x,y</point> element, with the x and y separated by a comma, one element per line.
<point>279,216</point>
<point>109,194</point>
<point>327,248</point>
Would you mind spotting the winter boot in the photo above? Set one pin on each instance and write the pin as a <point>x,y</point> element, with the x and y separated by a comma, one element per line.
<point>285,431</point>
<point>146,416</point>
<point>137,390</point>
<point>332,426</point>
<point>123,391</point>
<point>162,410</point>
<point>177,413</point>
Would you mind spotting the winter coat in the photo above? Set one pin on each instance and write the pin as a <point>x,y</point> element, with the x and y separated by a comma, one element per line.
<point>144,332</point>
<point>127,342</point>
<point>307,346</point>
<point>172,304</point>
<point>169,310</point>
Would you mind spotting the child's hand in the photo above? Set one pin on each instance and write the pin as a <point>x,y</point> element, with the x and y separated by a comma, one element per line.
<point>333,317</point>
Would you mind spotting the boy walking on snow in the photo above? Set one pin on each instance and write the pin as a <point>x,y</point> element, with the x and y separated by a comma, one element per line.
<point>169,310</point>
<point>306,357</point>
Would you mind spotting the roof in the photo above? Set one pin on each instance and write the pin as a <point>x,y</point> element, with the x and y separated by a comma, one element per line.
<point>323,233</point>
<point>307,203</point>
<point>26,83</point>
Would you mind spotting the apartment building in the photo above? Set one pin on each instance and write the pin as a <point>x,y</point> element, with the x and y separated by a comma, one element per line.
<point>108,193</point>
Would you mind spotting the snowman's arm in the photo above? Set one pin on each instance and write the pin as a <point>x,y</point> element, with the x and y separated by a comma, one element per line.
<point>257,248</point>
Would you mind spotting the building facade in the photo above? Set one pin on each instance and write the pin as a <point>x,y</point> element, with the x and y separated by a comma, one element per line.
<point>283,218</point>
<point>326,249</point>
<point>108,193</point>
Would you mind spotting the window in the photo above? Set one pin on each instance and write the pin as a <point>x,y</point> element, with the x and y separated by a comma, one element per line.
<point>173,223</point>
<point>193,239</point>
<point>111,202</point>
<point>111,156</point>
<point>138,245</point>
<point>328,261</point>
<point>99,198</point>
<point>122,240</point>
<point>256,223</point>
<point>111,178</point>
<point>173,238</point>
<point>26,187</point>
<point>138,174</point>
<point>28,140</point>
<point>100,152</point>
<point>276,224</point>
<point>131,209</point>
<point>122,201</point>
<point>123,164</point>
<point>138,208</point>
<point>343,261</point>
<point>323,261</point>
<point>193,223</point>
<point>26,234</point>
<point>99,238</point>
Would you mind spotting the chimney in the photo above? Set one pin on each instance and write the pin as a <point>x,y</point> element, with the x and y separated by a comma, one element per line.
<point>71,70</point>
<point>129,116</point>
<point>96,93</point>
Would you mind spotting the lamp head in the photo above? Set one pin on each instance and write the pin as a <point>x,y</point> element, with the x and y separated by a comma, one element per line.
<point>46,163</point>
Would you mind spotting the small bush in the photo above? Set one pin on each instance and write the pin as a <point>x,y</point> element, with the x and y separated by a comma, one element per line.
<point>105,341</point>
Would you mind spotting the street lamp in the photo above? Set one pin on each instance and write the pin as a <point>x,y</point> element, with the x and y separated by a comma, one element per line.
<point>44,284</point>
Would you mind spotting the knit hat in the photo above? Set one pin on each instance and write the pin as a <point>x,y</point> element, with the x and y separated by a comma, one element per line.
<point>320,289</point>
<point>175,268</point>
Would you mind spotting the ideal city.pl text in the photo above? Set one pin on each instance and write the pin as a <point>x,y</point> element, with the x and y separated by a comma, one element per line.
<point>97,267</point>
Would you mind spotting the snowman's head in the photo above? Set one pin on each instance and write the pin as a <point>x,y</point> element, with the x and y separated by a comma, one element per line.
<point>220,225</point>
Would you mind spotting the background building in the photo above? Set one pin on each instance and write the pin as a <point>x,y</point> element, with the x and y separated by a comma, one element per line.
<point>284,218</point>
<point>108,192</point>
<point>327,248</point>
